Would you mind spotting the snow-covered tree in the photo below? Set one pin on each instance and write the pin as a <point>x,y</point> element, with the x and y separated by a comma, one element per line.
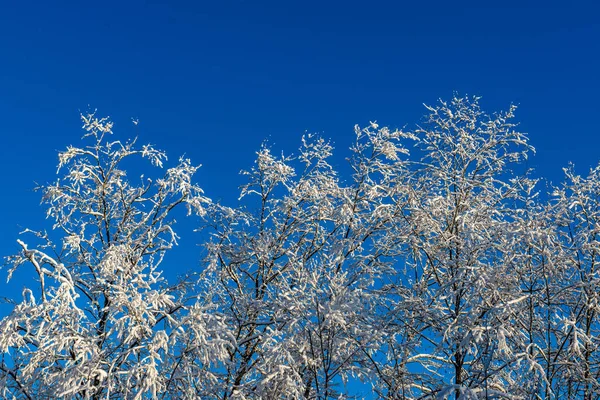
<point>437,269</point>
<point>575,359</point>
<point>101,322</point>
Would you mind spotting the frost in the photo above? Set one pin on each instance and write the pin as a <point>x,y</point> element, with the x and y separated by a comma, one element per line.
<point>433,271</point>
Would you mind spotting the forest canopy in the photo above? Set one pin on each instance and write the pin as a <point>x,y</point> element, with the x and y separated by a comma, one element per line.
<point>439,268</point>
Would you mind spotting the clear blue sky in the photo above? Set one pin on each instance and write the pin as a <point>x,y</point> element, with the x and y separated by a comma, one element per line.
<point>213,79</point>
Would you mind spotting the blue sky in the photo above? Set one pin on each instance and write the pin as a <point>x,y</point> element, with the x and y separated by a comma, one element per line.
<point>214,79</point>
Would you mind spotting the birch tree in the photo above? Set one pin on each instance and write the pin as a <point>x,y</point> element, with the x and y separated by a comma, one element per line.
<point>576,359</point>
<point>460,251</point>
<point>298,271</point>
<point>437,269</point>
<point>101,321</point>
